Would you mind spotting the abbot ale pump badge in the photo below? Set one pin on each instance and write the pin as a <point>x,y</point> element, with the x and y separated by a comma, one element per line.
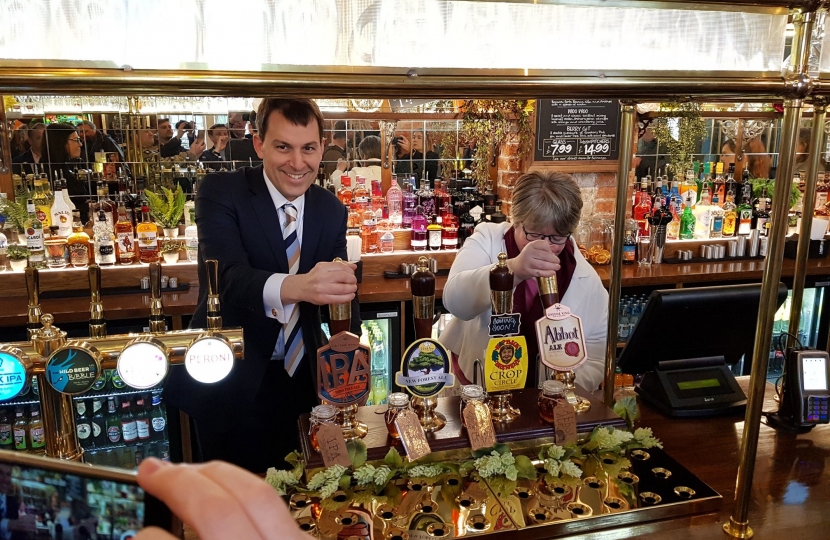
<point>344,369</point>
<point>560,338</point>
<point>506,364</point>
<point>425,369</point>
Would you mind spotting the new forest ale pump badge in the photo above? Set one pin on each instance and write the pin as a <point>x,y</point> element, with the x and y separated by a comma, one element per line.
<point>425,369</point>
<point>560,337</point>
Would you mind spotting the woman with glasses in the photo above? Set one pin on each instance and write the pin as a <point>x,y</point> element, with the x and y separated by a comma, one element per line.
<point>545,211</point>
<point>63,156</point>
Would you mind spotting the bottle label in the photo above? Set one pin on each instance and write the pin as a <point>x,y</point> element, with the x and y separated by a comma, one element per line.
<point>79,254</point>
<point>84,431</point>
<point>745,221</point>
<point>143,428</point>
<point>147,243</point>
<point>20,438</point>
<point>821,200</point>
<point>435,239</point>
<point>80,407</point>
<point>43,216</point>
<point>96,405</point>
<point>113,434</point>
<point>130,430</point>
<point>105,252</point>
<point>717,224</point>
<point>158,424</point>
<point>34,239</point>
<point>629,253</point>
<point>6,437</point>
<point>117,381</point>
<point>38,437</point>
<point>96,429</point>
<point>126,246</point>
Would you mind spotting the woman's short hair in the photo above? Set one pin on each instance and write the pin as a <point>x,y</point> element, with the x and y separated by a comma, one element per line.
<point>369,147</point>
<point>547,199</point>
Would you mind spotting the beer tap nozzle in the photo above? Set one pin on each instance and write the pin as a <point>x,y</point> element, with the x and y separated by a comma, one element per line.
<point>214,315</point>
<point>157,322</point>
<point>33,291</point>
<point>97,322</point>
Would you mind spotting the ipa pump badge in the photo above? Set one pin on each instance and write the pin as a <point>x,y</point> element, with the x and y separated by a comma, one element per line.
<point>15,372</point>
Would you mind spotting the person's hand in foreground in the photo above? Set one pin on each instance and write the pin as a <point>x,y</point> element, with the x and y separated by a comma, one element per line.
<point>218,500</point>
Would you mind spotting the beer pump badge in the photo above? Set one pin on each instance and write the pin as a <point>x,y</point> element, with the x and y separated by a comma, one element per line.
<point>143,363</point>
<point>209,359</point>
<point>506,364</point>
<point>560,338</point>
<point>13,375</point>
<point>73,369</point>
<point>344,369</point>
<point>425,369</point>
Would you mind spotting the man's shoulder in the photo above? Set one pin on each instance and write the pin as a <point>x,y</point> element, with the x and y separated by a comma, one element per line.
<point>324,200</point>
<point>234,181</point>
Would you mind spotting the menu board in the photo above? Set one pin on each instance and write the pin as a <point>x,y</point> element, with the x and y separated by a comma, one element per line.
<point>577,129</point>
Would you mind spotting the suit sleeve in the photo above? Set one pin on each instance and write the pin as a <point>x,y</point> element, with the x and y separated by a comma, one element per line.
<point>221,239</point>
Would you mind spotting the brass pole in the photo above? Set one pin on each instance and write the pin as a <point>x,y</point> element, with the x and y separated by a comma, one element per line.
<point>626,153</point>
<point>809,201</point>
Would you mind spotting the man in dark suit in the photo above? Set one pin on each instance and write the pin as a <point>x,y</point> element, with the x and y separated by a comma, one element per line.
<point>275,235</point>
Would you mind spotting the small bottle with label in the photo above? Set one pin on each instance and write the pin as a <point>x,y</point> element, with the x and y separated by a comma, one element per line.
<point>470,393</point>
<point>321,414</point>
<point>629,250</point>
<point>104,241</point>
<point>37,435</point>
<point>78,243</point>
<point>552,392</point>
<point>82,424</point>
<point>398,401</point>
<point>434,234</point>
<point>21,430</point>
<point>55,249</point>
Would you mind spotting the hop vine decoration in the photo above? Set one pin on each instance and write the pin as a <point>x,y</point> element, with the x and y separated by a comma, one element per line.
<point>166,208</point>
<point>690,131</point>
<point>327,481</point>
<point>499,468</point>
<point>559,466</point>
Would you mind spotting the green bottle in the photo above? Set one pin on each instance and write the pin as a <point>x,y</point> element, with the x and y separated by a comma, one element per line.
<point>21,430</point>
<point>687,222</point>
<point>6,431</point>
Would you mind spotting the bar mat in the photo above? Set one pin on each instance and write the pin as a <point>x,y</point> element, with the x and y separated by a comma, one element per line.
<point>397,275</point>
<point>111,291</point>
<point>675,260</point>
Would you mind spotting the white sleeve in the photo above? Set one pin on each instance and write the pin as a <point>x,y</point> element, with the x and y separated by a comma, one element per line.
<point>467,291</point>
<point>272,300</point>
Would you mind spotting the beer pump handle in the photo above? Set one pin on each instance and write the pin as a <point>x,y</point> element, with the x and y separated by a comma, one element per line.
<point>97,322</point>
<point>501,287</point>
<point>214,316</point>
<point>340,315</point>
<point>548,291</point>
<point>157,323</point>
<point>423,299</point>
<point>34,312</point>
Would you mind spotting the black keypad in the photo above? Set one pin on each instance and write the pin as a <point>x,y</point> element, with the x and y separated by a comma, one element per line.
<point>817,409</point>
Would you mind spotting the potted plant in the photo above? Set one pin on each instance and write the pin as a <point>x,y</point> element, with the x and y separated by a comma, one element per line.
<point>170,249</point>
<point>16,216</point>
<point>167,209</point>
<point>18,256</point>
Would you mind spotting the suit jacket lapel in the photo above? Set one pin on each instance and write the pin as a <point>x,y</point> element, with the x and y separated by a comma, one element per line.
<point>312,228</point>
<point>269,219</point>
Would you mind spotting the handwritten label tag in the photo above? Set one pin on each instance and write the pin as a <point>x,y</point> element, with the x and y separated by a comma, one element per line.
<point>564,421</point>
<point>333,445</point>
<point>413,438</point>
<point>506,364</point>
<point>479,425</point>
<point>505,325</point>
<point>560,338</point>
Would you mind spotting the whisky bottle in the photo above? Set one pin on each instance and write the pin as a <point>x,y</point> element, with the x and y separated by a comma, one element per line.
<point>34,238</point>
<point>730,215</point>
<point>434,234</point>
<point>104,241</point>
<point>124,236</point>
<point>78,243</point>
<point>744,210</point>
<point>56,248</point>
<point>147,233</point>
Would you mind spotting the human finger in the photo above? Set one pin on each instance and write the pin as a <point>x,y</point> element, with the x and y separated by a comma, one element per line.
<point>196,499</point>
<point>153,533</point>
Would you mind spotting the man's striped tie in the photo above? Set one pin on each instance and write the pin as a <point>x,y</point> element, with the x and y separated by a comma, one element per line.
<point>292,330</point>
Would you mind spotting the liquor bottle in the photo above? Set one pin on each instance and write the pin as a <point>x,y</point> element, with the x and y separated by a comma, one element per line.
<point>642,210</point>
<point>116,380</point>
<point>673,228</point>
<point>744,182</point>
<point>368,231</point>
<point>419,230</point>
<point>377,199</point>
<point>158,419</point>
<point>394,202</point>
<point>629,250</point>
<point>434,234</point>
<point>113,422</point>
<point>189,211</point>
<point>703,213</point>
<point>43,207</point>
<point>354,222</point>
<point>83,424</point>
<point>689,191</point>
<point>467,224</point>
<point>360,195</point>
<point>744,210</point>
<point>129,429</point>
<point>345,191</point>
<point>674,200</point>
<point>124,236</point>
<point>78,243</point>
<point>34,238</point>
<point>716,216</point>
<point>426,199</point>
<point>731,183</point>
<point>20,430</point>
<point>449,225</point>
<point>386,239</point>
<point>147,234</point>
<point>142,420</point>
<point>687,221</point>
<point>658,191</point>
<point>820,208</point>
<point>442,197</point>
<point>6,430</point>
<point>37,435</point>
<point>98,423</point>
<point>105,204</point>
<point>719,187</point>
<point>104,241</point>
<point>61,213</point>
<point>55,246</point>
<point>730,215</point>
<point>409,202</point>
<point>760,217</point>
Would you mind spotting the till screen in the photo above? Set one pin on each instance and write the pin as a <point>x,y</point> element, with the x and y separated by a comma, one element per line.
<point>39,504</point>
<point>815,373</point>
<point>702,383</point>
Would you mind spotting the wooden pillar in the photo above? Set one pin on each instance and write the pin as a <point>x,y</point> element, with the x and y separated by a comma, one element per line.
<point>6,185</point>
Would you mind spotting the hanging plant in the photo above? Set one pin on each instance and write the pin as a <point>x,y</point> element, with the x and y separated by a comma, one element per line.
<point>486,125</point>
<point>679,133</point>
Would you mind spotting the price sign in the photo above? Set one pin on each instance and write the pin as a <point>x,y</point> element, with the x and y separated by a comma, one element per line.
<point>577,129</point>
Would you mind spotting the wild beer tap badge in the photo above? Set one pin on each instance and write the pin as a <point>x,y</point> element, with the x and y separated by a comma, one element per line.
<point>560,337</point>
<point>425,369</point>
<point>344,367</point>
<point>506,362</point>
<point>73,369</point>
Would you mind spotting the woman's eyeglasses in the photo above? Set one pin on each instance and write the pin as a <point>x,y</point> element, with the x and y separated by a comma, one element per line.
<point>554,239</point>
<point>76,139</point>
